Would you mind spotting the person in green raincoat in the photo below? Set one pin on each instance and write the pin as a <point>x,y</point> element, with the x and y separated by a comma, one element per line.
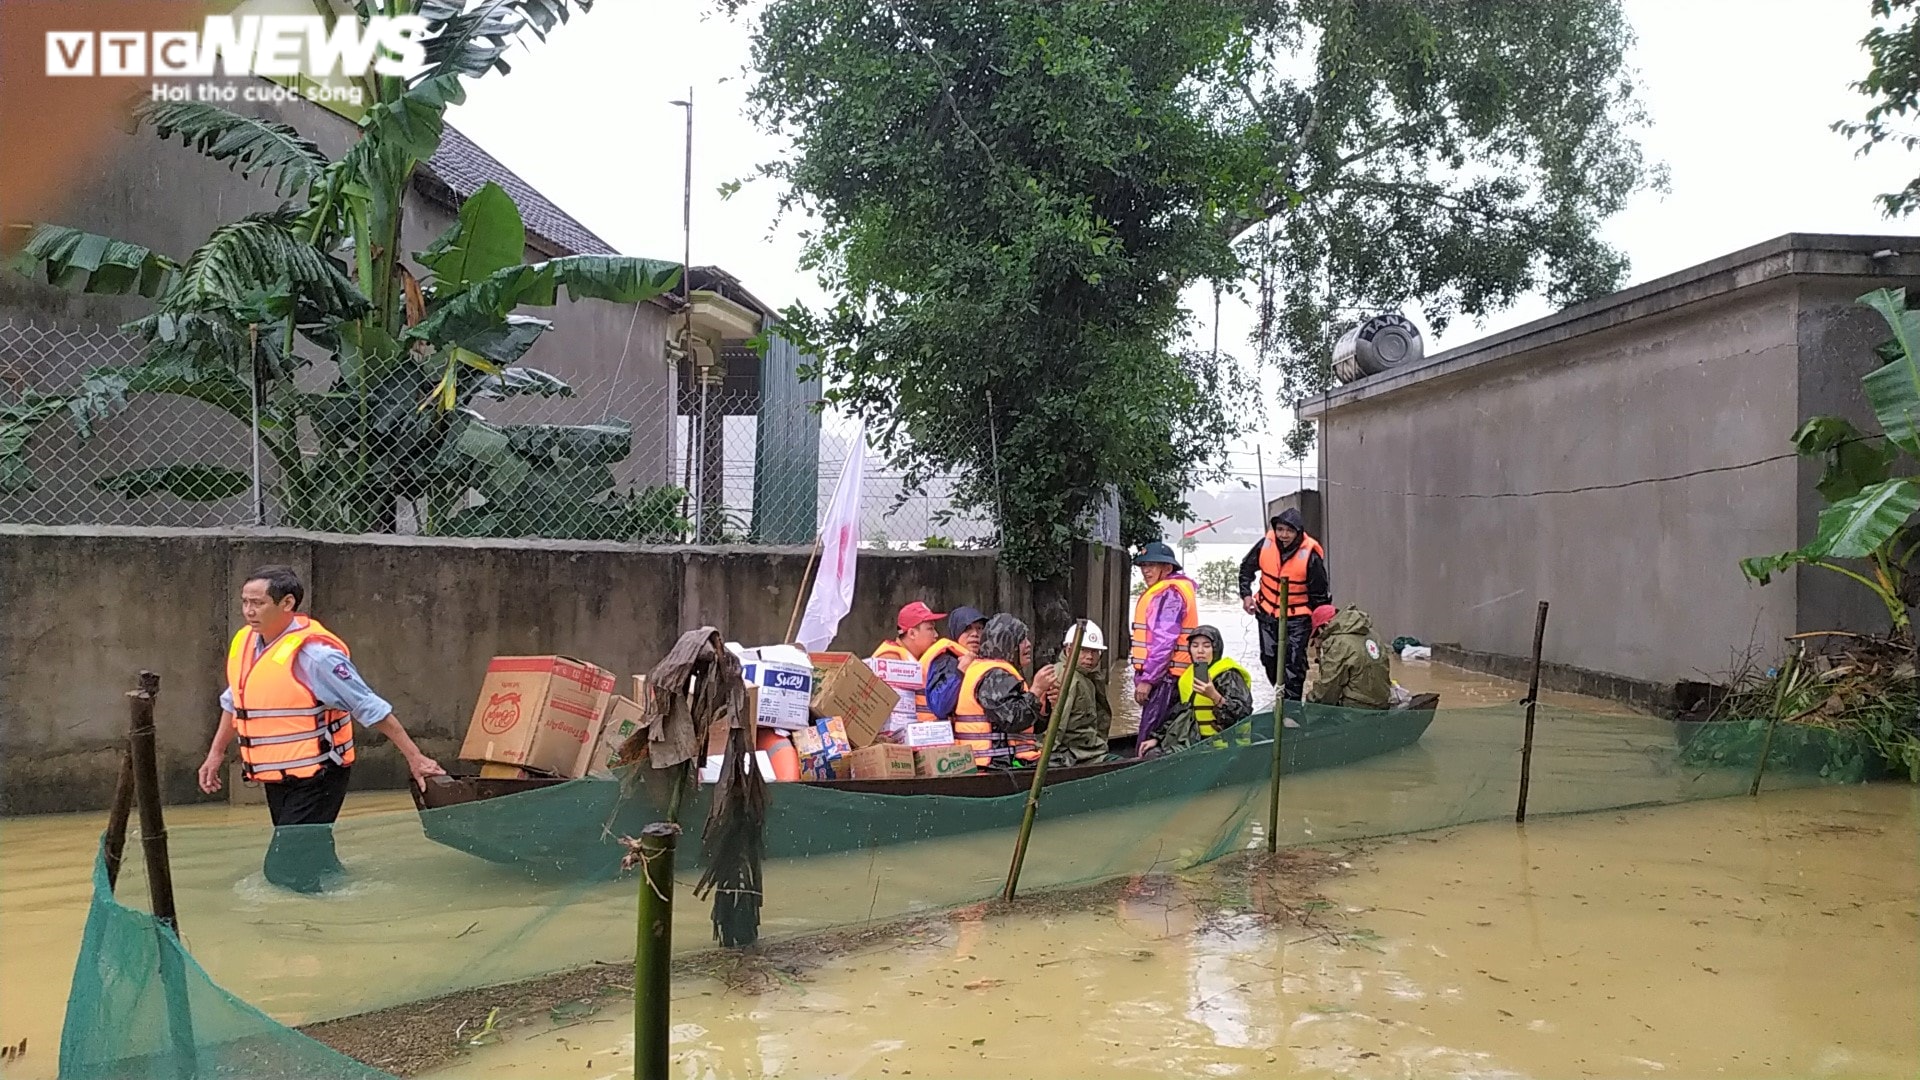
<point>1352,666</point>
<point>1083,733</point>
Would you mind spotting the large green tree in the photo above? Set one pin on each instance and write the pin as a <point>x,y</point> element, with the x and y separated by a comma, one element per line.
<point>1893,82</point>
<point>1012,197</point>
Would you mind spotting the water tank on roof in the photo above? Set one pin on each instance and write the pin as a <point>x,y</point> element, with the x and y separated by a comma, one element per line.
<point>1377,345</point>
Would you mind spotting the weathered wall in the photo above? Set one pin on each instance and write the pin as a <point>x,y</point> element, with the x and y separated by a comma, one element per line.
<point>85,609</point>
<point>1616,460</point>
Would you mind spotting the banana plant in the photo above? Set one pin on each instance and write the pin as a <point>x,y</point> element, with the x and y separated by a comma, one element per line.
<point>1869,509</point>
<point>267,296</point>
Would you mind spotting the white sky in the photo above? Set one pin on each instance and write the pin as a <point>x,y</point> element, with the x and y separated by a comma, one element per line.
<point>1740,93</point>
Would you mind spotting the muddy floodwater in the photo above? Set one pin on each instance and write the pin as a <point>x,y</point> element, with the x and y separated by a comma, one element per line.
<point>1769,938</point>
<point>1777,936</point>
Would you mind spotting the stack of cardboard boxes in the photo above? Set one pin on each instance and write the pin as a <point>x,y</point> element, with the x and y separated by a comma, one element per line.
<point>558,716</point>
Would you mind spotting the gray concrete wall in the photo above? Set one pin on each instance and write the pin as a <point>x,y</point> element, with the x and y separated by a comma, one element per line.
<point>86,609</point>
<point>1616,460</point>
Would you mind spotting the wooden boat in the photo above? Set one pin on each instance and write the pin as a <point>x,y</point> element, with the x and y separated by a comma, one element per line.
<point>551,828</point>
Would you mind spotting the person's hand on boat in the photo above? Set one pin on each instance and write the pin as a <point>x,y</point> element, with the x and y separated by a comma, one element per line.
<point>422,766</point>
<point>1046,683</point>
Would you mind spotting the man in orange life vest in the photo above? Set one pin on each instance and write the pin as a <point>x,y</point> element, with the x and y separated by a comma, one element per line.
<point>291,701</point>
<point>1163,621</point>
<point>1287,554</point>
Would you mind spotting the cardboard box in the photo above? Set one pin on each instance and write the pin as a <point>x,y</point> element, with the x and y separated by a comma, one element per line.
<point>495,771</point>
<point>881,761</point>
<point>823,737</point>
<point>622,720</point>
<point>932,733</point>
<point>904,677</point>
<point>539,712</point>
<point>786,692</point>
<point>824,766</point>
<point>851,691</point>
<point>936,761</point>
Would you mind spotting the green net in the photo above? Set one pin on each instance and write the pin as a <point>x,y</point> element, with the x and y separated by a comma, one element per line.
<point>505,889</point>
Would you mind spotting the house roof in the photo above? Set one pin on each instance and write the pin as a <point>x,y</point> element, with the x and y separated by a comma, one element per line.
<point>462,168</point>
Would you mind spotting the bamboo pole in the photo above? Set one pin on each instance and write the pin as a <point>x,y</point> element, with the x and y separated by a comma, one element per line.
<point>1072,675</point>
<point>1789,671</point>
<point>1533,695</point>
<point>1279,722</point>
<point>153,843</point>
<point>116,843</point>
<point>653,953</point>
<point>800,601</point>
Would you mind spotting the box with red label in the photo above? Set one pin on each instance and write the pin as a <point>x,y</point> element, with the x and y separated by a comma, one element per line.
<point>542,713</point>
<point>904,677</point>
<point>931,733</point>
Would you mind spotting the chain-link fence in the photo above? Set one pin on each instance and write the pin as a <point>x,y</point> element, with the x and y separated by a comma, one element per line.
<point>93,431</point>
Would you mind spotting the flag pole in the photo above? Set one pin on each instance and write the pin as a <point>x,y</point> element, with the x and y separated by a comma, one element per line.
<point>800,598</point>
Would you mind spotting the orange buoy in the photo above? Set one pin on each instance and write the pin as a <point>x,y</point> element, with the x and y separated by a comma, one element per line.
<point>780,752</point>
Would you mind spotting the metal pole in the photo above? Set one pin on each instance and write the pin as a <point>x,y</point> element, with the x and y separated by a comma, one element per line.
<point>1259,462</point>
<point>253,388</point>
<point>1279,721</point>
<point>1072,673</point>
<point>1533,694</point>
<point>153,842</point>
<point>653,953</point>
<point>117,820</point>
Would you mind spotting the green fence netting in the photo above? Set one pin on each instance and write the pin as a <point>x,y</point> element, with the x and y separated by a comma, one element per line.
<point>506,889</point>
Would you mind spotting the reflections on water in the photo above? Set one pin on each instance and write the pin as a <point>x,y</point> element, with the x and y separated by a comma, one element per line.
<point>1076,991</point>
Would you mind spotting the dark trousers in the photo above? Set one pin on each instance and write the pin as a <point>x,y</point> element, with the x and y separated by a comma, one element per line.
<point>1299,630</point>
<point>301,856</point>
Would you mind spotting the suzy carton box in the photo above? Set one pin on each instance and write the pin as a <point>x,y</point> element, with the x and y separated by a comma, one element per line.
<point>881,761</point>
<point>936,761</point>
<point>848,689</point>
<point>931,733</point>
<point>540,713</point>
<point>904,677</point>
<point>786,691</point>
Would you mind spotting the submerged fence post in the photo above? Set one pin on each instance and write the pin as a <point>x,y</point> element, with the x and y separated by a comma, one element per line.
<point>116,847</point>
<point>1072,675</point>
<point>1279,720</point>
<point>653,951</point>
<point>1533,694</point>
<point>145,767</point>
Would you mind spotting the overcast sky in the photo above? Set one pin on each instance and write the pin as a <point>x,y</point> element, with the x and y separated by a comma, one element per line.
<point>1741,93</point>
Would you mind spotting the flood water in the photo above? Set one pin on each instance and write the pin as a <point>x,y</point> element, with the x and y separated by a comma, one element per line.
<point>1768,937</point>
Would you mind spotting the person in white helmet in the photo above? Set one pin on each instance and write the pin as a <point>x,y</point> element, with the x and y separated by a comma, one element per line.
<point>1083,733</point>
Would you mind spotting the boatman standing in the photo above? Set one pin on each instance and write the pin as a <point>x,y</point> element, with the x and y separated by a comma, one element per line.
<point>1286,554</point>
<point>291,701</point>
<point>1163,620</point>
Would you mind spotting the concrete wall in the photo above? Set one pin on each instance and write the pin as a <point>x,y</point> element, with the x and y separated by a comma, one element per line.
<point>86,609</point>
<point>1616,460</point>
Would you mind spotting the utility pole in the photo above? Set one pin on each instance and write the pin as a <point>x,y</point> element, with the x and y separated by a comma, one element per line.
<point>696,422</point>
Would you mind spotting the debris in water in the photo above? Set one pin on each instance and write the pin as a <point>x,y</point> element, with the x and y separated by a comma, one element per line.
<point>982,984</point>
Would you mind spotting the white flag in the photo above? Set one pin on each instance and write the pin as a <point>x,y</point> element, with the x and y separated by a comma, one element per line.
<point>832,595</point>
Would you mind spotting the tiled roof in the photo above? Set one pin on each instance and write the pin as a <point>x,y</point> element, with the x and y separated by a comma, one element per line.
<point>464,168</point>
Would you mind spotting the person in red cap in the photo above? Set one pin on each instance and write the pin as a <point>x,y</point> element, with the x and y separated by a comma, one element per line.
<point>917,628</point>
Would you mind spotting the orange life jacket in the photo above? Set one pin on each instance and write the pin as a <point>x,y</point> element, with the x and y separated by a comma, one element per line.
<point>284,732</point>
<point>1293,571</point>
<point>1189,618</point>
<point>891,650</point>
<point>943,647</point>
<point>973,730</point>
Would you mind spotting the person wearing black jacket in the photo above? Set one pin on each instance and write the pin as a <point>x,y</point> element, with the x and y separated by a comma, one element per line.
<point>1286,554</point>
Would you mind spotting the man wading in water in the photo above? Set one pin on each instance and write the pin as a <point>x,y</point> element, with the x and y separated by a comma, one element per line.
<point>291,701</point>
